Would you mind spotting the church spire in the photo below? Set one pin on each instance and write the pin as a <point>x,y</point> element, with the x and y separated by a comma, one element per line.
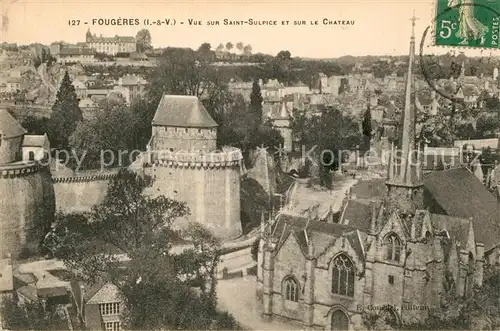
<point>403,174</point>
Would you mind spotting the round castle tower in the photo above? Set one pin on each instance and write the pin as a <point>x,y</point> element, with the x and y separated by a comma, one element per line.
<point>185,165</point>
<point>27,202</point>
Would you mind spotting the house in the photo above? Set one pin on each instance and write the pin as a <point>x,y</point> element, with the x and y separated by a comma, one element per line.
<point>75,55</point>
<point>477,144</point>
<point>80,88</point>
<point>135,86</point>
<point>99,305</point>
<point>35,147</point>
<point>440,158</point>
<point>13,84</point>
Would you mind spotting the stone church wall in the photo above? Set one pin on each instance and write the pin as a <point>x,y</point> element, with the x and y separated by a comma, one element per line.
<point>27,206</point>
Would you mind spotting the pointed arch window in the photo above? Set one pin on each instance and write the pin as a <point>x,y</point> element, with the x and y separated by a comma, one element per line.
<point>291,289</point>
<point>343,276</point>
<point>393,247</point>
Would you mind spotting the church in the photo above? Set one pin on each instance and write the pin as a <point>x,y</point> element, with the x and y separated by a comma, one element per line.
<point>394,254</point>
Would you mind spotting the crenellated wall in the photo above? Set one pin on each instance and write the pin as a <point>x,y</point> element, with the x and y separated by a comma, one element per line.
<point>209,184</point>
<point>80,192</point>
<point>27,206</point>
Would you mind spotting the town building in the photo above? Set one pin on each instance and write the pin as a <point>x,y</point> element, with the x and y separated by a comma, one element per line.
<point>71,55</point>
<point>395,252</point>
<point>99,305</point>
<point>110,45</point>
<point>135,86</point>
<point>36,147</point>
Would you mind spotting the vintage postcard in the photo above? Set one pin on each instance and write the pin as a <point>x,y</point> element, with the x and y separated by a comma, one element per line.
<point>249,165</point>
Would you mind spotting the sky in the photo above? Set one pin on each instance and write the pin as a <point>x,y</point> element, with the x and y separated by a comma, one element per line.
<point>381,27</point>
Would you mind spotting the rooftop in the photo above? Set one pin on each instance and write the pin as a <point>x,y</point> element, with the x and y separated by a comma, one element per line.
<point>182,111</point>
<point>9,127</point>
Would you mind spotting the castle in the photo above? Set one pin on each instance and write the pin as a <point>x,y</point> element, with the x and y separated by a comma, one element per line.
<point>182,158</point>
<point>396,255</point>
<point>27,200</point>
<point>185,164</point>
<point>110,45</point>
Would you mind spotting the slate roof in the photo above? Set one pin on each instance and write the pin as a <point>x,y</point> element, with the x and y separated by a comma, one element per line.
<point>182,111</point>
<point>457,227</point>
<point>9,127</point>
<point>107,293</point>
<point>461,194</point>
<point>357,215</point>
<point>115,39</point>
<point>34,140</point>
<point>321,234</point>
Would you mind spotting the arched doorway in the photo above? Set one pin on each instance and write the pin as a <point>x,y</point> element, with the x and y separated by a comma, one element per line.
<point>389,317</point>
<point>340,321</point>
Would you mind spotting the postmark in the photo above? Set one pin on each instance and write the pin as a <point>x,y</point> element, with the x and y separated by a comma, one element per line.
<point>470,23</point>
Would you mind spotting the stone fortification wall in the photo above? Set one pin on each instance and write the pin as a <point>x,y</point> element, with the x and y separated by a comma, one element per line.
<point>209,183</point>
<point>27,206</point>
<point>78,193</point>
<point>177,138</point>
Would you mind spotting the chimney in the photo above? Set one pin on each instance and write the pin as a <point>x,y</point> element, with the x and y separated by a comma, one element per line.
<point>373,220</point>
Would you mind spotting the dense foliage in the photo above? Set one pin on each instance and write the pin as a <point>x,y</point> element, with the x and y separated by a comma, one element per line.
<point>65,115</point>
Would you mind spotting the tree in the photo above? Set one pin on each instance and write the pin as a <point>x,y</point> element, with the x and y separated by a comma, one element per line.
<point>284,55</point>
<point>367,128</point>
<point>247,50</point>
<point>256,102</point>
<point>229,46</point>
<point>331,136</point>
<point>157,285</point>
<point>204,48</point>
<point>65,114</point>
<point>27,316</point>
<point>107,139</point>
<point>180,71</point>
<point>239,46</point>
<point>36,125</point>
<point>143,40</point>
<point>220,48</point>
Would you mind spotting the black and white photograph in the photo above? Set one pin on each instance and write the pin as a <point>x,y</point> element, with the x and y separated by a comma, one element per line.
<point>249,165</point>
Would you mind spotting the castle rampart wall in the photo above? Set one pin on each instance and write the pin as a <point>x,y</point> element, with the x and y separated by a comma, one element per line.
<point>208,183</point>
<point>80,192</point>
<point>27,206</point>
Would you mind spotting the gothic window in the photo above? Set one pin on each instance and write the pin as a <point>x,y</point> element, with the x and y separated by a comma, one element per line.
<point>393,247</point>
<point>291,289</point>
<point>340,321</point>
<point>343,276</point>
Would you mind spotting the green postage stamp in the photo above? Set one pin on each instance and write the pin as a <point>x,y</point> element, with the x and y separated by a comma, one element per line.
<point>469,23</point>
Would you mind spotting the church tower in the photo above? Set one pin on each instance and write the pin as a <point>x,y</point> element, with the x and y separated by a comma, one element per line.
<point>404,179</point>
<point>88,36</point>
